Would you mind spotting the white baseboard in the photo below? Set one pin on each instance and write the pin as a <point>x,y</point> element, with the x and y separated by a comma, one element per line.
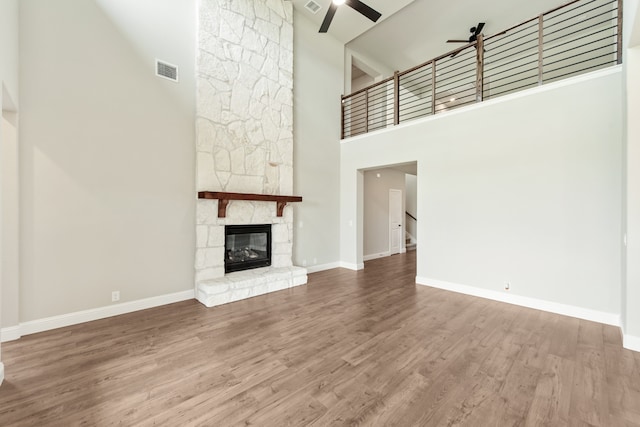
<point>631,342</point>
<point>322,267</point>
<point>351,266</point>
<point>1,372</point>
<point>10,333</point>
<point>538,304</point>
<point>46,324</point>
<point>374,256</point>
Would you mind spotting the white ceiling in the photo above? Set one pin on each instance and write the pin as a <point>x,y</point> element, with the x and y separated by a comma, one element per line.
<point>413,31</point>
<point>347,24</point>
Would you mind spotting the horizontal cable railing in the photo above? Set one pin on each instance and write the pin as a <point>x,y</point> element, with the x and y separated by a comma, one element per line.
<point>578,37</point>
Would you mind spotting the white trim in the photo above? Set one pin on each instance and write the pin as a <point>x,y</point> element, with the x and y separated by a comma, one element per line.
<point>48,323</point>
<point>10,333</point>
<point>322,267</point>
<point>505,98</point>
<point>630,342</point>
<point>352,266</point>
<point>375,256</point>
<point>538,304</point>
<point>1,372</point>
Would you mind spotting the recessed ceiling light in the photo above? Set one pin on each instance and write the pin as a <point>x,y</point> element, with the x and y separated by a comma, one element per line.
<point>338,2</point>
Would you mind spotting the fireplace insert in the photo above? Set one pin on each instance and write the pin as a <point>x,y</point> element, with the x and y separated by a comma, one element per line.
<point>247,247</point>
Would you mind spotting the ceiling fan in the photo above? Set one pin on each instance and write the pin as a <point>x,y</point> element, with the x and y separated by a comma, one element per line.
<point>475,32</point>
<point>357,5</point>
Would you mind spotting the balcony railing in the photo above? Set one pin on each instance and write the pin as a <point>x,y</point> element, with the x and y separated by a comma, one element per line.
<point>580,36</point>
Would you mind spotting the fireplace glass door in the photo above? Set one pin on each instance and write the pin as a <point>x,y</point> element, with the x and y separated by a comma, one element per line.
<point>247,247</point>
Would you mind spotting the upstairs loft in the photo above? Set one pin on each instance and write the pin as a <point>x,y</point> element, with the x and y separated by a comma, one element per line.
<point>572,39</point>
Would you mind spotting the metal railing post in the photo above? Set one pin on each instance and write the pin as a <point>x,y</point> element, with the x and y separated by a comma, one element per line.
<point>433,87</point>
<point>366,111</point>
<point>342,121</point>
<point>619,36</point>
<point>479,68</point>
<point>396,98</point>
<point>540,49</point>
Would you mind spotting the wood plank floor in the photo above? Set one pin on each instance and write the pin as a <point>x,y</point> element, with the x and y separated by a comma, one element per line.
<point>363,348</point>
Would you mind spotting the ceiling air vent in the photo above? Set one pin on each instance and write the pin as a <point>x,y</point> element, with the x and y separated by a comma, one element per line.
<point>312,6</point>
<point>166,70</point>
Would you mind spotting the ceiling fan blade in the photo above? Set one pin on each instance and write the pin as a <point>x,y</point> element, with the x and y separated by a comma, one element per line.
<point>328,18</point>
<point>457,41</point>
<point>367,11</point>
<point>479,28</point>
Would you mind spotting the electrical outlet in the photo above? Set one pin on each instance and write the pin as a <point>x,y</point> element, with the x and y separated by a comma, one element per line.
<point>115,296</point>
<point>507,286</point>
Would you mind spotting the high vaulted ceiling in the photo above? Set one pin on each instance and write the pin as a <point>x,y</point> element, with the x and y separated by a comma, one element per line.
<point>413,31</point>
<point>348,24</point>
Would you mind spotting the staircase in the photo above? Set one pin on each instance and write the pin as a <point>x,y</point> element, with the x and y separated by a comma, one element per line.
<point>409,244</point>
<point>410,241</point>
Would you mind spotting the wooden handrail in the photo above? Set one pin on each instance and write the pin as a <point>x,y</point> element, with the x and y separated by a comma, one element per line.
<point>530,20</point>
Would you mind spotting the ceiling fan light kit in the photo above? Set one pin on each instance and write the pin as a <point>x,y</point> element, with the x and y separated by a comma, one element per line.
<point>356,5</point>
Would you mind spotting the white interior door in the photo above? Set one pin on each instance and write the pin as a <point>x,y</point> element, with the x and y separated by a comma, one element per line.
<point>395,221</point>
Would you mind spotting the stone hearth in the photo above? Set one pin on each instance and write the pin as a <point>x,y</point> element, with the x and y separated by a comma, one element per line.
<point>249,283</point>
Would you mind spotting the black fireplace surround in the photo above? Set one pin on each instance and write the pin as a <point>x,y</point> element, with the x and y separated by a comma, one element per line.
<point>247,247</point>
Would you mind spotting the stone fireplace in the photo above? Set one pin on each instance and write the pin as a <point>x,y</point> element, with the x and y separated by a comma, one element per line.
<point>244,141</point>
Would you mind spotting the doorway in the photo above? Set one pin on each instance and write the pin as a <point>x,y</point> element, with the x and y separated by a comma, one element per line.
<point>389,202</point>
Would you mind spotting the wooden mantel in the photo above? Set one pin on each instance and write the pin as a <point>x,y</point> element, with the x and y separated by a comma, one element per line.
<point>224,198</point>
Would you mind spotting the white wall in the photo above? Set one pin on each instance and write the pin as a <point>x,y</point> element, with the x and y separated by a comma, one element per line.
<point>525,188</point>
<point>10,222</point>
<point>107,153</point>
<point>361,82</point>
<point>318,64</point>
<point>9,49</point>
<point>377,184</point>
<point>631,266</point>
<point>8,92</point>
<point>632,314</point>
<point>367,64</point>
<point>632,23</point>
